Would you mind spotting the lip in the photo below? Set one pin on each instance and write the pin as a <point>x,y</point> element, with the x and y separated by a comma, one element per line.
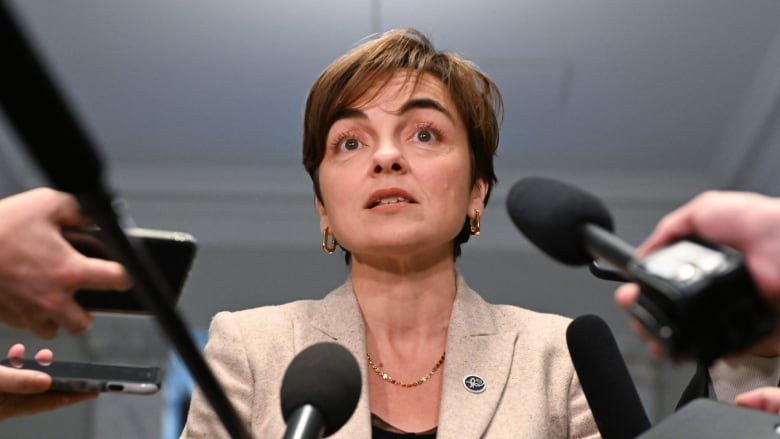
<point>373,199</point>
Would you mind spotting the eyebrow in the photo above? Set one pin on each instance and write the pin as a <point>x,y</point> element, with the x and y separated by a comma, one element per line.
<point>425,103</point>
<point>412,104</point>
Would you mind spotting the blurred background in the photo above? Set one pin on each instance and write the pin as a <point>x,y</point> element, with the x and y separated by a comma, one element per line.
<point>197,107</point>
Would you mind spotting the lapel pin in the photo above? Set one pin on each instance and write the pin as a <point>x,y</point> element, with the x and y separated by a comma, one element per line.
<point>474,384</point>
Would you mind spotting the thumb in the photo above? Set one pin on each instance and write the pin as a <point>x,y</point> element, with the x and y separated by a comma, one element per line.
<point>19,381</point>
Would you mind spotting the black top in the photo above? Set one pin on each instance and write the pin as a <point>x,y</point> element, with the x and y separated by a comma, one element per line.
<point>380,429</point>
<point>378,433</point>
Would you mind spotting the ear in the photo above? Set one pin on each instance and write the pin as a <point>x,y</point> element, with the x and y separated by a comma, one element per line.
<point>477,201</point>
<point>322,213</point>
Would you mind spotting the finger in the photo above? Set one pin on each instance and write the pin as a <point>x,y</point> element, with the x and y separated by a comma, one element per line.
<point>44,357</point>
<point>19,381</point>
<point>45,329</point>
<point>101,274</point>
<point>627,294</point>
<point>67,212</point>
<point>764,270</point>
<point>765,398</point>
<point>16,405</point>
<point>670,228</point>
<point>16,351</point>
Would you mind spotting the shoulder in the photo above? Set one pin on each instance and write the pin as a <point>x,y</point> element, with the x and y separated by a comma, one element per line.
<point>507,318</point>
<point>526,319</point>
<point>266,320</point>
<point>255,345</point>
<point>542,333</point>
<point>535,331</point>
<point>302,322</point>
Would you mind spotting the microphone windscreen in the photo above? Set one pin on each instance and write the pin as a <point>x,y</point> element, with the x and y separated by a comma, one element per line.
<point>41,116</point>
<point>551,213</point>
<point>605,380</point>
<point>326,376</point>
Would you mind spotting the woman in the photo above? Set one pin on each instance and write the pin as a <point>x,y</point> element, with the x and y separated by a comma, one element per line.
<point>399,142</point>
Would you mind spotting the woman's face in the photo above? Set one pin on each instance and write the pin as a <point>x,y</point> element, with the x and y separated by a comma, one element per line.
<point>396,171</point>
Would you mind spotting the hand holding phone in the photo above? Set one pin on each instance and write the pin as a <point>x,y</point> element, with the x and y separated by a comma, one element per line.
<point>23,392</point>
<point>173,252</point>
<point>90,377</point>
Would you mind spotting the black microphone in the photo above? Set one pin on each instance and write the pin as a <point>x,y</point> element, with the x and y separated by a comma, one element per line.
<point>320,390</point>
<point>608,387</point>
<point>43,120</point>
<point>566,223</point>
<point>42,117</point>
<point>697,299</point>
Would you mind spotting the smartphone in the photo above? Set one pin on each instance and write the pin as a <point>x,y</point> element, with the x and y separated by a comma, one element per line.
<point>173,253</point>
<point>90,377</point>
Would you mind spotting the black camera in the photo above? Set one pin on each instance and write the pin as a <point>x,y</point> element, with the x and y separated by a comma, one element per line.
<point>699,300</point>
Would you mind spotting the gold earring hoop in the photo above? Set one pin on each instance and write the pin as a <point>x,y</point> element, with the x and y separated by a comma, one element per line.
<point>328,248</point>
<point>474,223</point>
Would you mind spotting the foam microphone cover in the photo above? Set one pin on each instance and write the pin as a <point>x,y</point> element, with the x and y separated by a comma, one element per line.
<point>605,380</point>
<point>326,376</point>
<point>551,213</point>
<point>42,117</point>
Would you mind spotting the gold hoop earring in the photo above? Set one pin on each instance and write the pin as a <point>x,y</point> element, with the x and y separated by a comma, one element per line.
<point>326,236</point>
<point>474,223</point>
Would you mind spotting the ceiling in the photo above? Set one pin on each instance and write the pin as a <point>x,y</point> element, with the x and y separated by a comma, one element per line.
<point>642,101</point>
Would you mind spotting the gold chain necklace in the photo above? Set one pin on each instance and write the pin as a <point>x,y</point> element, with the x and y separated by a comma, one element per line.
<point>385,376</point>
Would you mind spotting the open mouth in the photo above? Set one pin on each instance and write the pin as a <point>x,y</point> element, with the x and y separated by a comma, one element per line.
<point>387,200</point>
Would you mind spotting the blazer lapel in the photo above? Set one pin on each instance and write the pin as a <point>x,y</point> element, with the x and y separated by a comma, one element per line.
<point>337,318</point>
<point>475,348</point>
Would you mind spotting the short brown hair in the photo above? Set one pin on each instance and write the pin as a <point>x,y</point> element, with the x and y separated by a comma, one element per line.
<point>349,78</point>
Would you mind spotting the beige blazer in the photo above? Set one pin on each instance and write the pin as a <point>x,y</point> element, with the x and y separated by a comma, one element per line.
<point>531,389</point>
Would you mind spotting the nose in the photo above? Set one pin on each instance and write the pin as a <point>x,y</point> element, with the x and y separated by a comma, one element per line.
<point>389,157</point>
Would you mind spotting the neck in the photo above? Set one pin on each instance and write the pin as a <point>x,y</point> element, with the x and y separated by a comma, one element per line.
<point>401,306</point>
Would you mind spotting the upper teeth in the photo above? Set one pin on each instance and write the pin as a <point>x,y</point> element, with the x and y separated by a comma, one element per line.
<point>391,200</point>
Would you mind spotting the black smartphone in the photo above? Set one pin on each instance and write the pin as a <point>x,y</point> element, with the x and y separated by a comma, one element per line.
<point>173,253</point>
<point>90,377</point>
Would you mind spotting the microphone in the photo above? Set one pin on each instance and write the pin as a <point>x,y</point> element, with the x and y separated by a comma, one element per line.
<point>566,223</point>
<point>697,299</point>
<point>320,390</point>
<point>43,120</point>
<point>42,117</point>
<point>611,394</point>
<point>605,379</point>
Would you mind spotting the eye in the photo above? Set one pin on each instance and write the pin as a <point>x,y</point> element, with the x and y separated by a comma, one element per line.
<point>346,141</point>
<point>424,135</point>
<point>350,144</point>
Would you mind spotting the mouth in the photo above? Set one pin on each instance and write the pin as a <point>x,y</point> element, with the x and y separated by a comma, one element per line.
<point>388,197</point>
<point>386,201</point>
